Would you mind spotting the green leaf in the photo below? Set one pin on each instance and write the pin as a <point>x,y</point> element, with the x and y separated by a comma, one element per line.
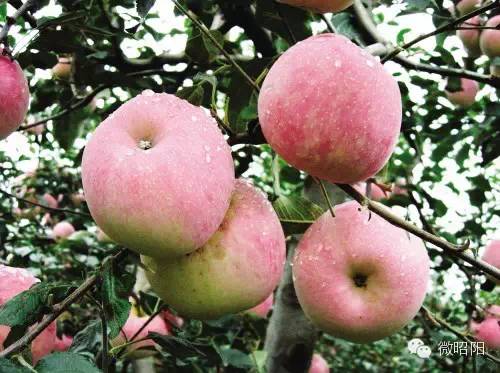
<point>116,288</point>
<point>27,307</point>
<point>201,49</point>
<point>143,7</point>
<point>64,362</point>
<point>7,366</point>
<point>3,12</point>
<point>68,128</point>
<point>235,358</point>
<point>401,35</point>
<point>182,348</point>
<point>193,94</point>
<point>89,340</point>
<point>296,213</point>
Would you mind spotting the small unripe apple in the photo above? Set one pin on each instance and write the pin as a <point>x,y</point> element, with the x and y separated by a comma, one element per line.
<point>491,256</point>
<point>63,344</point>
<point>467,6</point>
<point>235,270</point>
<point>62,230</point>
<point>14,96</point>
<point>263,308</point>
<point>495,70</point>
<point>173,320</point>
<point>329,108</point>
<point>77,199</point>
<point>318,365</point>
<point>488,330</point>
<point>357,276</point>
<point>376,192</point>
<point>320,6</point>
<point>62,70</point>
<point>470,36</point>
<point>490,38</point>
<point>14,281</point>
<point>50,201</point>
<point>466,96</point>
<point>37,130</point>
<point>158,175</point>
<point>132,326</point>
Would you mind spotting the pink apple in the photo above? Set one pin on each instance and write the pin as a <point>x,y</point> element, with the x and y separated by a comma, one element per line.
<point>62,230</point>
<point>50,201</point>
<point>63,344</point>
<point>321,6</point>
<point>467,6</point>
<point>318,365</point>
<point>466,96</point>
<point>173,320</point>
<point>263,308</point>
<point>488,330</point>
<point>357,276</point>
<point>490,39</point>
<point>14,96</point>
<point>470,37</point>
<point>329,108</point>
<point>37,130</point>
<point>158,175</point>
<point>377,193</point>
<point>237,269</point>
<point>491,255</point>
<point>62,70</point>
<point>12,282</point>
<point>132,326</point>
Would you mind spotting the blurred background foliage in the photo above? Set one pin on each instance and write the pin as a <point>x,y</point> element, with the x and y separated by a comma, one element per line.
<point>447,158</point>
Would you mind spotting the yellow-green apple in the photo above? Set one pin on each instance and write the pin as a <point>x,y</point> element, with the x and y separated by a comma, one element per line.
<point>62,230</point>
<point>321,6</point>
<point>357,276</point>
<point>14,96</point>
<point>331,109</point>
<point>318,365</point>
<point>466,96</point>
<point>12,282</point>
<point>142,348</point>
<point>262,309</point>
<point>470,36</point>
<point>235,270</point>
<point>467,6</point>
<point>63,344</point>
<point>491,255</point>
<point>62,70</point>
<point>490,38</point>
<point>488,330</point>
<point>158,175</point>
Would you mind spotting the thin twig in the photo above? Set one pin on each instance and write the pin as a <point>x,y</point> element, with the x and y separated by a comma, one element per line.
<point>105,342</point>
<point>366,20</point>
<point>447,27</point>
<point>4,33</point>
<point>45,207</point>
<point>329,25</point>
<point>59,308</point>
<point>209,35</point>
<point>449,248</point>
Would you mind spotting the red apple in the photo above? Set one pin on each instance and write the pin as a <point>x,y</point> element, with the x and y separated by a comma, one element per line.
<point>466,96</point>
<point>12,282</point>
<point>470,36</point>
<point>318,365</point>
<point>331,109</point>
<point>158,175</point>
<point>62,230</point>
<point>490,39</point>
<point>237,269</point>
<point>132,326</point>
<point>63,344</point>
<point>14,96</point>
<point>357,276</point>
<point>262,309</point>
<point>488,330</point>
<point>321,6</point>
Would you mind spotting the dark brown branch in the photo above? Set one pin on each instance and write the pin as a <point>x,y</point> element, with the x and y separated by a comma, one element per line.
<point>450,249</point>
<point>27,16</point>
<point>447,27</point>
<point>367,22</point>
<point>66,211</point>
<point>23,9</point>
<point>59,308</point>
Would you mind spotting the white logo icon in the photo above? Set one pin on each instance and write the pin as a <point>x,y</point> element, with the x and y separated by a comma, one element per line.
<point>417,346</point>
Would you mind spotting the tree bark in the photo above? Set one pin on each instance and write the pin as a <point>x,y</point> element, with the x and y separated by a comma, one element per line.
<point>290,335</point>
